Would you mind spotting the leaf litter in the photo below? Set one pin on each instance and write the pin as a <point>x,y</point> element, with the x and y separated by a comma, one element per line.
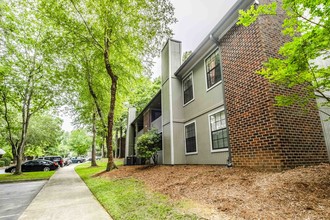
<point>217,192</point>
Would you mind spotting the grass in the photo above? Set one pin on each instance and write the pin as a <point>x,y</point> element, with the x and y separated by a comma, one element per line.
<point>26,176</point>
<point>128,198</point>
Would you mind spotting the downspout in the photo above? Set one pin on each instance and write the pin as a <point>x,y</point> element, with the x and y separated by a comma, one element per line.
<point>217,43</point>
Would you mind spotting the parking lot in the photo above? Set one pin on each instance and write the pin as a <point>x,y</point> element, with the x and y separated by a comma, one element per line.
<point>15,198</point>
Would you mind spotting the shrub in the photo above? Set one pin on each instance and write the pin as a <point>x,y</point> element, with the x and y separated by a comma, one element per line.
<point>2,163</point>
<point>8,155</point>
<point>148,144</point>
<point>6,160</point>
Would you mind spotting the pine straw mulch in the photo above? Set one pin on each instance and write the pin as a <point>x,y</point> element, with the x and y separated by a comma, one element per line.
<point>237,193</point>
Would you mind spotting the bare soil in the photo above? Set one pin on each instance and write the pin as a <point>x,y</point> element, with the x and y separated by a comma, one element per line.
<point>216,192</point>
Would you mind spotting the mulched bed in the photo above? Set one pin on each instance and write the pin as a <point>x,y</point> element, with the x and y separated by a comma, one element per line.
<point>237,193</point>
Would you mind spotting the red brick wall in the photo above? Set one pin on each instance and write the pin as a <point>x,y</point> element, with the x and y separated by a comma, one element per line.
<point>262,135</point>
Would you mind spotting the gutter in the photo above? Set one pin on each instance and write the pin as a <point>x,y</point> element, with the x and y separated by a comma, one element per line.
<point>217,43</point>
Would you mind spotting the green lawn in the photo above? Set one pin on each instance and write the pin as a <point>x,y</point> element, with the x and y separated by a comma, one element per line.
<point>128,198</point>
<point>26,176</point>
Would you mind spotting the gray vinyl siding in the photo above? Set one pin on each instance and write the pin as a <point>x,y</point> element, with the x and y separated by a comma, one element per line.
<point>175,56</point>
<point>165,66</point>
<point>171,60</point>
<point>165,103</point>
<point>179,146</point>
<point>166,138</point>
<point>205,101</point>
<point>204,155</point>
<point>325,125</point>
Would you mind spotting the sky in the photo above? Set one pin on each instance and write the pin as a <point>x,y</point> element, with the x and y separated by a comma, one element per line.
<point>196,19</point>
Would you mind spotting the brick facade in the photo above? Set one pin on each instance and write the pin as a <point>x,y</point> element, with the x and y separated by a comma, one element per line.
<point>262,135</point>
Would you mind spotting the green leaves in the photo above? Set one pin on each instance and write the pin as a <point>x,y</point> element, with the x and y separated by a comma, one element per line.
<point>248,17</point>
<point>44,136</point>
<point>149,143</point>
<point>80,142</point>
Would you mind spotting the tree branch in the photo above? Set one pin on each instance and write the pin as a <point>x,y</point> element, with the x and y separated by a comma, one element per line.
<point>323,95</point>
<point>306,19</point>
<point>89,30</point>
<point>93,94</point>
<point>4,99</point>
<point>324,112</point>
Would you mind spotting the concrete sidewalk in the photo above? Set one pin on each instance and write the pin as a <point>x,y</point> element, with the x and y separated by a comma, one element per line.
<point>65,196</point>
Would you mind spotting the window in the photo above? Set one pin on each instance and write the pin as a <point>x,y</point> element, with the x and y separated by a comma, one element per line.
<point>190,135</point>
<point>188,91</point>
<point>155,114</point>
<point>213,72</point>
<point>219,133</point>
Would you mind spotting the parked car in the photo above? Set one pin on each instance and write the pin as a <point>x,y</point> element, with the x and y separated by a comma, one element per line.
<point>35,165</point>
<point>78,159</point>
<point>57,159</point>
<point>67,161</point>
<point>96,158</point>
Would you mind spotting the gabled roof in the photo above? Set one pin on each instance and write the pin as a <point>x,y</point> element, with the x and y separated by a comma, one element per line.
<point>210,41</point>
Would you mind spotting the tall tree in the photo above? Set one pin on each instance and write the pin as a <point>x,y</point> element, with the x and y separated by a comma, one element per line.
<point>306,58</point>
<point>126,34</point>
<point>29,76</point>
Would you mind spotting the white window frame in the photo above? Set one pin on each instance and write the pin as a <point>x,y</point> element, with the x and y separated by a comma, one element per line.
<point>193,88</point>
<point>185,147</point>
<point>205,72</point>
<point>210,131</point>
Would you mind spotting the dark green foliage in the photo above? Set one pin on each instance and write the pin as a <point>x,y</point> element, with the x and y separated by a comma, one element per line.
<point>8,155</point>
<point>148,144</point>
<point>6,160</point>
<point>2,163</point>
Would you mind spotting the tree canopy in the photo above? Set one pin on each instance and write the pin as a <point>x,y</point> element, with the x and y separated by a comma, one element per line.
<point>124,35</point>
<point>90,55</point>
<point>29,70</point>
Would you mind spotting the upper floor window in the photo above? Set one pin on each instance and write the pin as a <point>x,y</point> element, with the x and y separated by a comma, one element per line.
<point>188,90</point>
<point>219,131</point>
<point>190,136</point>
<point>213,72</point>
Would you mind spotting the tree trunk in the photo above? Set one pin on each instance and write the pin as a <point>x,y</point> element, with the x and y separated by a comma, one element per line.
<point>13,151</point>
<point>104,154</point>
<point>120,141</point>
<point>18,165</point>
<point>111,164</point>
<point>116,152</point>
<point>93,164</point>
<point>19,160</point>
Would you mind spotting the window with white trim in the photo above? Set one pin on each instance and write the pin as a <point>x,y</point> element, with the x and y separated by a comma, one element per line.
<point>190,136</point>
<point>188,90</point>
<point>219,132</point>
<point>213,71</point>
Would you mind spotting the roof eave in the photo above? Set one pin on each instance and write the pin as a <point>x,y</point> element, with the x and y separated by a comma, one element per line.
<point>222,27</point>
